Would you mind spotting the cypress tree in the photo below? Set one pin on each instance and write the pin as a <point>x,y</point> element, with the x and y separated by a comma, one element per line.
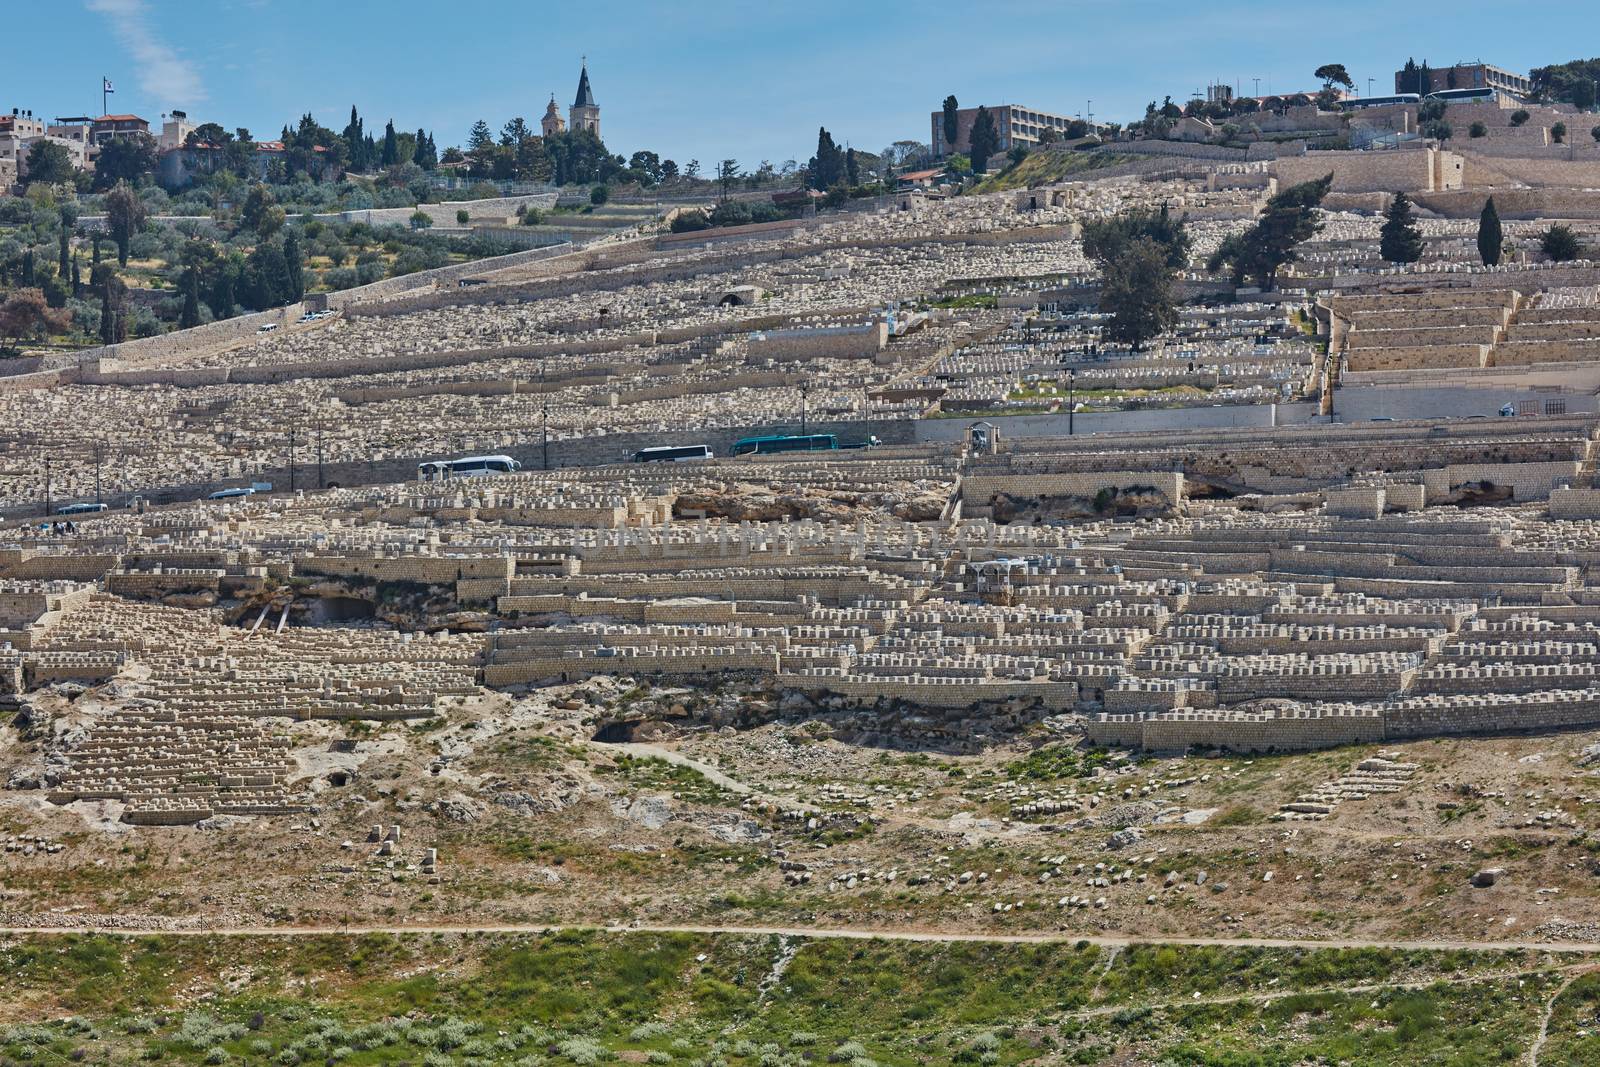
<point>391,148</point>
<point>190,317</point>
<point>294,263</point>
<point>222,296</point>
<point>65,243</point>
<point>985,140</point>
<point>108,320</point>
<point>1401,239</point>
<point>952,125</point>
<point>1490,236</point>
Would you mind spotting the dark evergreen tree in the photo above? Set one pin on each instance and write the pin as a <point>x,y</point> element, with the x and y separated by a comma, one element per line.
<point>64,244</point>
<point>1105,240</point>
<point>1289,218</point>
<point>1136,291</point>
<point>357,143</point>
<point>985,139</point>
<point>827,166</point>
<point>852,168</point>
<point>1491,238</point>
<point>1400,239</point>
<point>391,148</point>
<point>294,268</point>
<point>424,155</point>
<point>1560,243</point>
<point>952,125</point>
<point>190,316</point>
<point>223,297</point>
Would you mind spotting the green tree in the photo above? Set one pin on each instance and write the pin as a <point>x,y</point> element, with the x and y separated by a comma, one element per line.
<point>66,218</point>
<point>827,166</point>
<point>599,195</point>
<point>728,174</point>
<point>985,139</point>
<point>294,263</point>
<point>425,154</point>
<point>113,304</point>
<point>190,284</point>
<point>266,277</point>
<point>124,158</point>
<point>261,213</point>
<point>1136,291</point>
<point>125,215</point>
<point>224,288</point>
<point>391,146</point>
<point>952,124</point>
<point>1560,243</point>
<point>1491,237</point>
<point>1331,74</point>
<point>1520,117</point>
<point>1558,133</point>
<point>49,163</point>
<point>421,220</point>
<point>1400,239</point>
<point>1595,133</point>
<point>852,168</point>
<point>1477,129</point>
<point>1105,240</point>
<point>1289,218</point>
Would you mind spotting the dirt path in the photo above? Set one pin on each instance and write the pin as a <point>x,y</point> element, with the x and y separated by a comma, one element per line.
<point>1544,1017</point>
<point>814,932</point>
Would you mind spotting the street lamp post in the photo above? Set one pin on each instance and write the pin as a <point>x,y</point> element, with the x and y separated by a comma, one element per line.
<point>97,457</point>
<point>1072,382</point>
<point>804,391</point>
<point>47,508</point>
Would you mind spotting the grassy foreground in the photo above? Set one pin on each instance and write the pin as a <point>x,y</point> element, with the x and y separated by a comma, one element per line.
<point>587,997</point>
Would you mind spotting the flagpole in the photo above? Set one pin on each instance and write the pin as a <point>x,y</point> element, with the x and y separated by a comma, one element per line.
<point>103,110</point>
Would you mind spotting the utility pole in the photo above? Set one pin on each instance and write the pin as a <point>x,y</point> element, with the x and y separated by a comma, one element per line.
<point>1257,80</point>
<point>47,507</point>
<point>1369,86</point>
<point>544,397</point>
<point>321,484</point>
<point>292,428</point>
<point>97,456</point>
<point>805,390</point>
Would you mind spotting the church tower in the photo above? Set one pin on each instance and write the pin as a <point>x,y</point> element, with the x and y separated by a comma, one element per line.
<point>585,113</point>
<point>552,123</point>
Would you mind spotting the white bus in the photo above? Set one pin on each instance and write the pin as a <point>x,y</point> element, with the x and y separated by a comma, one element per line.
<point>80,509</point>
<point>466,467</point>
<point>673,454</point>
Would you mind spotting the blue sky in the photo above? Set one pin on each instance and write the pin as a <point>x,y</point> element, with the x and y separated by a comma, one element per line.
<point>713,79</point>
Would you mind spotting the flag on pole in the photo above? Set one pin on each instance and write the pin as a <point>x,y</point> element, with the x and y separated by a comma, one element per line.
<point>105,85</point>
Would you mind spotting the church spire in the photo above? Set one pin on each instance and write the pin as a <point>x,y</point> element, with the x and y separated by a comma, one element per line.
<point>585,96</point>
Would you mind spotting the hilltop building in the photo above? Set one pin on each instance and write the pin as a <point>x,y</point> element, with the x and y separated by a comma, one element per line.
<point>1464,76</point>
<point>1015,124</point>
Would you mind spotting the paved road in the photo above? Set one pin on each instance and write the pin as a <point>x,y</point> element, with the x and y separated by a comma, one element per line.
<point>820,932</point>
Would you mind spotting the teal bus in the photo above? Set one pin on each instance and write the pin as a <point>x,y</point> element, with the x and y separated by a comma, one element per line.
<point>766,446</point>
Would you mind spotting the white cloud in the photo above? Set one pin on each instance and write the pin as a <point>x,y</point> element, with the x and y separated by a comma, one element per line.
<point>162,72</point>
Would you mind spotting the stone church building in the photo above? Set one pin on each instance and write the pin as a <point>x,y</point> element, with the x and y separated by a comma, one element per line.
<point>583,115</point>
